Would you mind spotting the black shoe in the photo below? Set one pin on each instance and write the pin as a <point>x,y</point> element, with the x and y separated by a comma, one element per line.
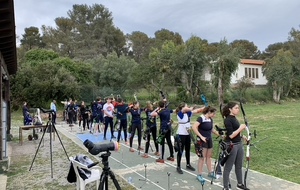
<point>241,186</point>
<point>179,170</point>
<point>189,167</point>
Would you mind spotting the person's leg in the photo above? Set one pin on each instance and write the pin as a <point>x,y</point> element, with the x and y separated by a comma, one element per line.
<point>111,124</point>
<point>239,163</point>
<point>228,166</point>
<point>124,124</point>
<point>154,136</point>
<point>147,143</point>
<point>119,133</point>
<point>132,136</point>
<point>106,122</point>
<point>188,150</point>
<point>201,161</point>
<point>179,153</point>
<point>139,132</point>
<point>83,118</point>
<point>169,142</point>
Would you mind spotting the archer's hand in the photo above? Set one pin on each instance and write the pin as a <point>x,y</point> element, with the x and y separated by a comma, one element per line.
<point>243,126</point>
<point>203,139</point>
<point>245,138</point>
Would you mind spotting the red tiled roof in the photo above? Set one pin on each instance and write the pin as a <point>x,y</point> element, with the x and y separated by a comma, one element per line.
<point>252,62</point>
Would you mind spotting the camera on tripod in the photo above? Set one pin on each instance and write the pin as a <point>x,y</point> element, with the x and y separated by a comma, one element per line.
<point>95,149</point>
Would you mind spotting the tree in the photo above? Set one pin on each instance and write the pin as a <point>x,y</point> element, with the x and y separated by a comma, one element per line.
<point>162,62</point>
<point>31,38</point>
<point>194,62</point>
<point>276,70</point>
<point>243,84</point>
<point>115,72</point>
<point>140,45</point>
<point>44,76</point>
<point>163,35</point>
<point>87,32</point>
<point>294,47</point>
<point>225,62</point>
<point>247,48</point>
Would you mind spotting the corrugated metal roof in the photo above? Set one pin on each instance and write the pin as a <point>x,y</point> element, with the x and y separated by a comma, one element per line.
<point>8,35</point>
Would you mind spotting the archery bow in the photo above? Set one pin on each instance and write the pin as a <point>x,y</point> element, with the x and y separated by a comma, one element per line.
<point>248,144</point>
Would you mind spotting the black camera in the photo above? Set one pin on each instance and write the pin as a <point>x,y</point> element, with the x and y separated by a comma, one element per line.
<point>95,149</point>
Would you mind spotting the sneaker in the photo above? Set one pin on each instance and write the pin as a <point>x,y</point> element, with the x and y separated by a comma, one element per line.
<point>200,178</point>
<point>126,142</point>
<point>179,170</point>
<point>145,156</point>
<point>189,167</point>
<point>104,138</point>
<point>160,160</point>
<point>131,150</point>
<point>156,154</point>
<point>212,175</point>
<point>170,158</point>
<point>241,186</point>
<point>225,188</point>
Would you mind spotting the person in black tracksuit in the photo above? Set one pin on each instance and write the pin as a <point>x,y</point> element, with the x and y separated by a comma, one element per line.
<point>151,129</point>
<point>136,124</point>
<point>71,113</point>
<point>84,115</point>
<point>122,110</point>
<point>165,130</point>
<point>233,137</point>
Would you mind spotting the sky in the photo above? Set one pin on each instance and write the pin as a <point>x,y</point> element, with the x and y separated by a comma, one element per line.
<point>262,22</point>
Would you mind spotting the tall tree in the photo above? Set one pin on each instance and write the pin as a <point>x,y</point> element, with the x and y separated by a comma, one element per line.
<point>276,70</point>
<point>162,62</point>
<point>248,49</point>
<point>166,35</point>
<point>140,45</point>
<point>87,32</point>
<point>31,38</point>
<point>225,62</point>
<point>115,72</point>
<point>193,64</point>
<point>294,47</point>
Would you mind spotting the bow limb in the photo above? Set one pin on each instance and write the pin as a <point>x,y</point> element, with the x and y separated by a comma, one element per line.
<point>248,144</point>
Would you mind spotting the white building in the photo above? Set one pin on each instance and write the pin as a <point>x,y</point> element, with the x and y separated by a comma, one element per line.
<point>250,68</point>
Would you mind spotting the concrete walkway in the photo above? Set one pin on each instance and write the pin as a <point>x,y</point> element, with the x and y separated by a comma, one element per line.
<point>145,173</point>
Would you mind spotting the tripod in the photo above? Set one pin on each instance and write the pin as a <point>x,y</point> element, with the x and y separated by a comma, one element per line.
<point>49,127</point>
<point>107,172</point>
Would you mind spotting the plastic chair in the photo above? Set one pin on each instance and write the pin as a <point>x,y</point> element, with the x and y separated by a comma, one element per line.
<point>95,174</point>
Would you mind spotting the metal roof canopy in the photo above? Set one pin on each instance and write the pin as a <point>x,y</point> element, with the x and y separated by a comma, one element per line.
<point>8,35</point>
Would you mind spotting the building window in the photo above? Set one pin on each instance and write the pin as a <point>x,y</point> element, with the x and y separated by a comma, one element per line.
<point>256,73</point>
<point>251,72</point>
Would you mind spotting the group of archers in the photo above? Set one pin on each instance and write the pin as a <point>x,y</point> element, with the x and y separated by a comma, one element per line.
<point>159,127</point>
